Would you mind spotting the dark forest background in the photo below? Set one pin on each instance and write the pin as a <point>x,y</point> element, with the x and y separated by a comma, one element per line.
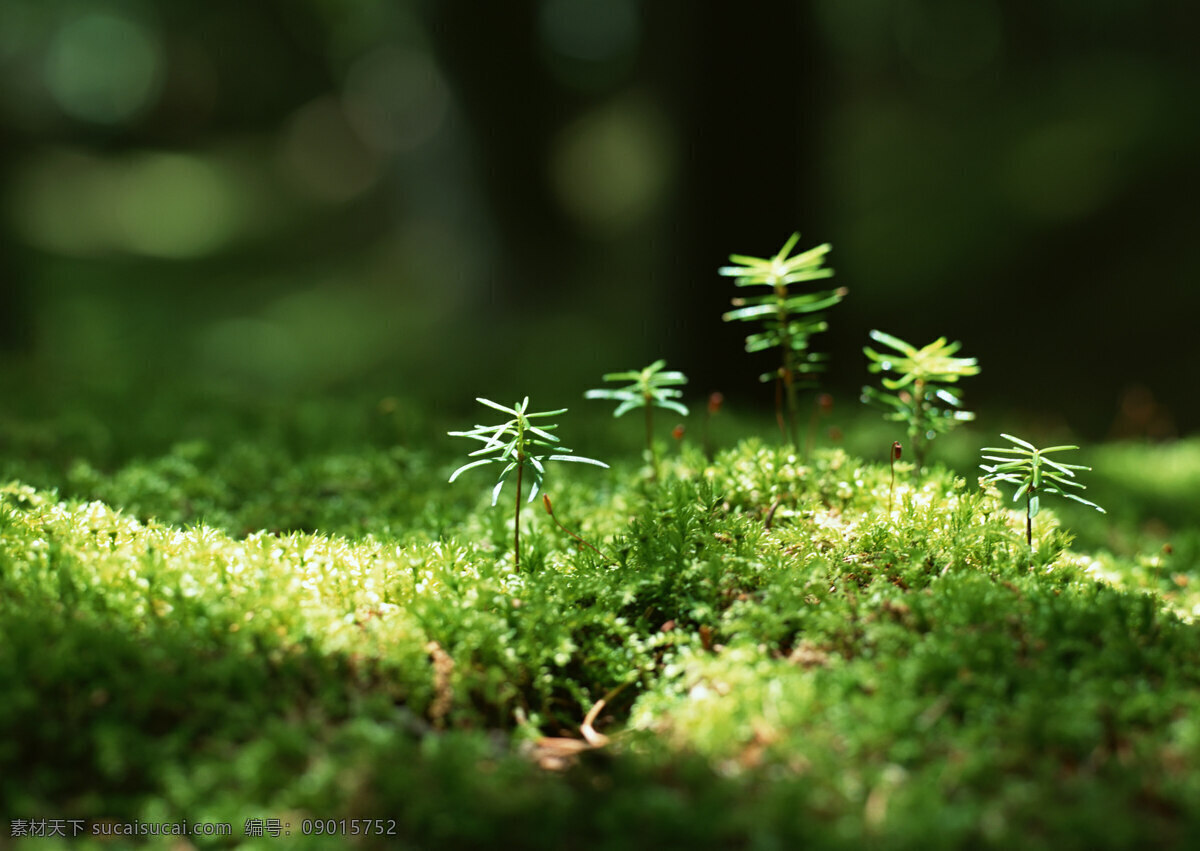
<point>451,199</point>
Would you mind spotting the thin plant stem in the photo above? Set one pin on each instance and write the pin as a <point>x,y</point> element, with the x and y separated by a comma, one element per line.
<point>715,400</point>
<point>1028,520</point>
<point>789,384</point>
<point>559,523</point>
<point>770,518</point>
<point>650,439</point>
<point>812,429</point>
<point>779,417</point>
<point>517,521</point>
<point>896,450</point>
<point>822,405</point>
<point>918,439</point>
<point>787,375</point>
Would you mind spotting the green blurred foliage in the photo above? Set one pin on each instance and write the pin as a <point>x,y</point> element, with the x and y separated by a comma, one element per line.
<point>296,197</point>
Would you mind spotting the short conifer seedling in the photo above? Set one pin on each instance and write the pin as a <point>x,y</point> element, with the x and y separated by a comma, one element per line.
<point>517,444</point>
<point>789,319</point>
<point>1027,467</point>
<point>919,397</point>
<point>649,388</point>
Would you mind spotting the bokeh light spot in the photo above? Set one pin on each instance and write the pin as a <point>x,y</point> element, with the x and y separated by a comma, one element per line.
<point>1060,172</point>
<point>323,155</point>
<point>396,98</point>
<point>589,45</point>
<point>589,30</point>
<point>104,68</point>
<point>157,204</point>
<point>175,206</point>
<point>612,166</point>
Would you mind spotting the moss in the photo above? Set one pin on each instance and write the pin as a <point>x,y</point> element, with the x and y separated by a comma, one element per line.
<point>239,626</point>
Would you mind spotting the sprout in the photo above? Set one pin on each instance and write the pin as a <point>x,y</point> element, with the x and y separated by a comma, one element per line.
<point>918,396</point>
<point>789,319</point>
<point>517,444</point>
<point>650,388</point>
<point>1026,466</point>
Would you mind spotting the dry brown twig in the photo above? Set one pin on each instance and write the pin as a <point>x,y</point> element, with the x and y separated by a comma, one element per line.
<point>555,753</point>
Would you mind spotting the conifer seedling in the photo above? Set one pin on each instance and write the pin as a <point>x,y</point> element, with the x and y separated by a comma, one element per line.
<point>517,444</point>
<point>1026,466</point>
<point>789,319</point>
<point>649,388</point>
<point>919,396</point>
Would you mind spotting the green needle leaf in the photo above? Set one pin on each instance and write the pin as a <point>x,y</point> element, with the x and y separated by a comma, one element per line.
<point>578,459</point>
<point>466,467</point>
<point>497,406</point>
<point>1019,442</point>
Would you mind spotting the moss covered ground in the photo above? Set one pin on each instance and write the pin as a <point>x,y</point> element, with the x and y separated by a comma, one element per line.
<point>250,616</point>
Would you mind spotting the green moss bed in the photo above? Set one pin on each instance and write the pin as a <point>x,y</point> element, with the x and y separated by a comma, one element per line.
<point>288,622</point>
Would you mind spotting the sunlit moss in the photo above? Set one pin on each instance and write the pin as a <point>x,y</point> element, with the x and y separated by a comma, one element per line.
<point>827,673</point>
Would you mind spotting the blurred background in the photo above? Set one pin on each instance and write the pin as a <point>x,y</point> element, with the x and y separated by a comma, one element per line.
<point>447,199</point>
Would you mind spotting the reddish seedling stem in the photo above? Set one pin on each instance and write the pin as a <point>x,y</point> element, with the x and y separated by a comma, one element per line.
<point>550,511</point>
<point>714,406</point>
